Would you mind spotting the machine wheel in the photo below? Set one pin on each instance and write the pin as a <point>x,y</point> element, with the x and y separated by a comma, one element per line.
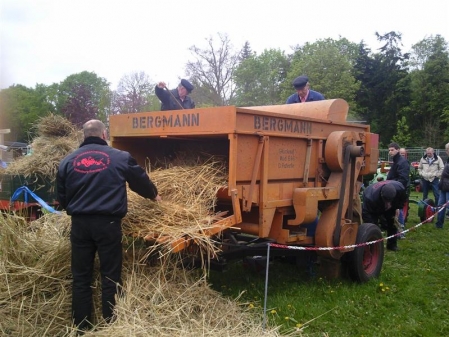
<point>365,262</point>
<point>425,209</point>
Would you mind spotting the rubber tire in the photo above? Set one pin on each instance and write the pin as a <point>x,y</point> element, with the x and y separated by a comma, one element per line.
<point>365,262</point>
<point>428,203</point>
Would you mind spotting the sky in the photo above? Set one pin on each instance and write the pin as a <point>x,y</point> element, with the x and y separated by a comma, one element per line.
<point>44,41</point>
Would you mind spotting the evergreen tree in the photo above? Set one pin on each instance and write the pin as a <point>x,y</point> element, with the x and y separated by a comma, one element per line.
<point>385,88</point>
<point>246,52</point>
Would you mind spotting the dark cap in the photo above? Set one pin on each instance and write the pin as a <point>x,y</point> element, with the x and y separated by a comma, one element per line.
<point>186,84</point>
<point>388,192</point>
<point>300,82</point>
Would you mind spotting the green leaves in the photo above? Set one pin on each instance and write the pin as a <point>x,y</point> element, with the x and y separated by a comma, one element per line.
<point>83,96</point>
<point>258,79</point>
<point>20,107</point>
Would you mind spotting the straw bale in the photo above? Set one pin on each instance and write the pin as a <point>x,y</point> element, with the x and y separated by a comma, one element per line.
<point>162,300</point>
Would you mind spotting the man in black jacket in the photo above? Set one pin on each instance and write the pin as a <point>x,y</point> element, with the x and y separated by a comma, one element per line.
<point>383,199</point>
<point>177,98</point>
<point>91,183</point>
<point>400,170</point>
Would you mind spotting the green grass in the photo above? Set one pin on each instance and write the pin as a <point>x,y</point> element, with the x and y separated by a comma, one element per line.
<point>410,298</point>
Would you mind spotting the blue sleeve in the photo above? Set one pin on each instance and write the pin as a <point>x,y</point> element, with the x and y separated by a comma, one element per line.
<point>163,95</point>
<point>316,96</point>
<point>291,99</point>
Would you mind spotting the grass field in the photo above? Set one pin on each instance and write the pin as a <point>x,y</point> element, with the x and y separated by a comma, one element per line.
<point>410,298</point>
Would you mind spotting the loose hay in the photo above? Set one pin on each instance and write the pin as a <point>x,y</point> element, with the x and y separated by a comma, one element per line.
<point>55,126</point>
<point>57,137</point>
<point>187,209</point>
<point>34,277</point>
<point>162,300</point>
<point>35,291</point>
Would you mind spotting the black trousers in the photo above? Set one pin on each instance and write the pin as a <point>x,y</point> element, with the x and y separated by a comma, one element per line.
<point>372,217</point>
<point>91,234</point>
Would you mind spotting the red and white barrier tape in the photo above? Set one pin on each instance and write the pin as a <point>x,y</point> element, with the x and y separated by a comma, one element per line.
<point>276,245</point>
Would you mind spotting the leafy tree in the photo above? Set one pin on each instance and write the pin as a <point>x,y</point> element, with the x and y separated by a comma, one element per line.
<point>328,64</point>
<point>430,92</point>
<point>83,96</point>
<point>421,51</point>
<point>403,135</point>
<point>212,71</point>
<point>134,93</point>
<point>20,107</point>
<point>258,78</point>
<point>244,87</point>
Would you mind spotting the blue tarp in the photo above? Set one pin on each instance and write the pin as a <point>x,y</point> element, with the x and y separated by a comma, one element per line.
<point>27,192</point>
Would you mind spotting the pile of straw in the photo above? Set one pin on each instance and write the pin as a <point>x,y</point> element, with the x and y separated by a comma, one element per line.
<point>162,300</point>
<point>55,126</point>
<point>189,197</point>
<point>34,277</point>
<point>56,138</point>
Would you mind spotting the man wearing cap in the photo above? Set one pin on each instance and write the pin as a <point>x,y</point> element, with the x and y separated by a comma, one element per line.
<point>383,199</point>
<point>177,98</point>
<point>303,93</point>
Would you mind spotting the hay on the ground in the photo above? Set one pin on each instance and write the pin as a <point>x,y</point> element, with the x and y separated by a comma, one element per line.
<point>35,277</point>
<point>35,291</point>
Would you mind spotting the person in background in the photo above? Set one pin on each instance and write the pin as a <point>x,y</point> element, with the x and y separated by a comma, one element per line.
<point>400,170</point>
<point>175,99</point>
<point>29,150</point>
<point>403,152</point>
<point>402,214</point>
<point>382,199</point>
<point>430,168</point>
<point>91,187</point>
<point>303,93</point>
<point>443,185</point>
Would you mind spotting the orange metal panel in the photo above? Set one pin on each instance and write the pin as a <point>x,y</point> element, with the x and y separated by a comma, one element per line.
<point>284,173</point>
<point>289,125</point>
<point>204,121</point>
<point>332,109</point>
<point>372,154</point>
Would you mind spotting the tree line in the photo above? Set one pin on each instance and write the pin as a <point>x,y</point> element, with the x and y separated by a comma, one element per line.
<point>404,97</point>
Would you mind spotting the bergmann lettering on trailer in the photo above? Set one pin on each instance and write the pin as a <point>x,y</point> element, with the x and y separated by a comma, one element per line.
<point>283,125</point>
<point>153,122</point>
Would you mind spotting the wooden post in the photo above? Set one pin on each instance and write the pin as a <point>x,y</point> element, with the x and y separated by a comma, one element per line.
<point>2,139</point>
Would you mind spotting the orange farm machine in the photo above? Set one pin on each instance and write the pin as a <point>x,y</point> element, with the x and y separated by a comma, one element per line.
<point>294,174</point>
